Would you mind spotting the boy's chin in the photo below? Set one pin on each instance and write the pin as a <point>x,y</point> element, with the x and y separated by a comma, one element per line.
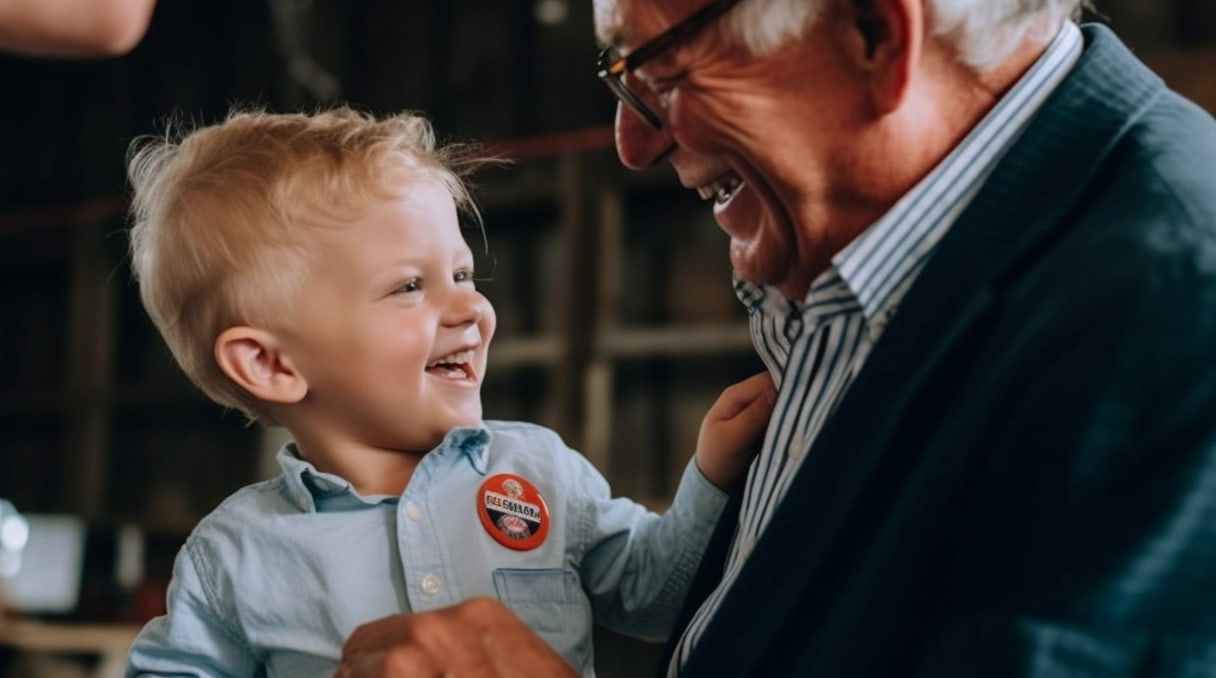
<point>465,418</point>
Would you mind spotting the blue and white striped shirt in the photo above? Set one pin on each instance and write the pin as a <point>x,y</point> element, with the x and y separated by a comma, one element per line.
<point>814,348</point>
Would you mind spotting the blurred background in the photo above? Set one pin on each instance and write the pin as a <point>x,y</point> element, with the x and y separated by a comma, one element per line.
<point>618,326</point>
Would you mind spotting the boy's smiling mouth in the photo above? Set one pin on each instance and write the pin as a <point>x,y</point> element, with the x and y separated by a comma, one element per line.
<point>456,366</point>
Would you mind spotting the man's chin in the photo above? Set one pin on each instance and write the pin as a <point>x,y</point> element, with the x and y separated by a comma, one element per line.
<point>746,264</point>
<point>773,272</point>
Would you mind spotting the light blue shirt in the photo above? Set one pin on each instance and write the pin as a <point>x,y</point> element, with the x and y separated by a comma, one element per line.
<point>274,580</point>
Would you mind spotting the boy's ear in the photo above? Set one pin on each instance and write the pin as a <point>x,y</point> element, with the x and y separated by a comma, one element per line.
<point>254,360</point>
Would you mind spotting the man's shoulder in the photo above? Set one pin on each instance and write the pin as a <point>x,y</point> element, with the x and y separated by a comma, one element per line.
<point>1166,160</point>
<point>1147,196</point>
<point>1155,132</point>
<point>1154,203</point>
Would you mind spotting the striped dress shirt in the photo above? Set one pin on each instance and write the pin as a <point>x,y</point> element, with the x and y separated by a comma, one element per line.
<point>815,347</point>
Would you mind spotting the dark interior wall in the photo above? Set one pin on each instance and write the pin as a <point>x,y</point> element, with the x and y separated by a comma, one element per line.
<point>67,122</point>
<point>480,69</point>
<point>1149,25</point>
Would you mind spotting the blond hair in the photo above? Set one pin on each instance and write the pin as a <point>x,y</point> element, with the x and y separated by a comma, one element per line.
<point>220,216</point>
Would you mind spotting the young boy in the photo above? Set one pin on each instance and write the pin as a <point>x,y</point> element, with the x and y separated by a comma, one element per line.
<point>310,271</point>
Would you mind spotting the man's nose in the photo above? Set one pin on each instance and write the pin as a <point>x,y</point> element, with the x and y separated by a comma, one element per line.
<point>639,145</point>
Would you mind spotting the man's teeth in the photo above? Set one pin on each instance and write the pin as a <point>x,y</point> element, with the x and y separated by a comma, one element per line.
<point>722,190</point>
<point>459,358</point>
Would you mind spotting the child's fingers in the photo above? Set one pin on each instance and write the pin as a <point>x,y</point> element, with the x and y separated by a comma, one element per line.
<point>725,443</point>
<point>756,390</point>
<point>754,417</point>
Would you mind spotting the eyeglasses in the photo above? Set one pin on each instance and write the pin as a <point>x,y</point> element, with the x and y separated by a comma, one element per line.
<point>612,67</point>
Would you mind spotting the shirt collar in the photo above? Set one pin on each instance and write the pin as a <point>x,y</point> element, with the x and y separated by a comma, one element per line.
<point>314,490</point>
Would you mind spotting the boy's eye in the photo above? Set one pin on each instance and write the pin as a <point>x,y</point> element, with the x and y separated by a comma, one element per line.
<point>464,275</point>
<point>411,285</point>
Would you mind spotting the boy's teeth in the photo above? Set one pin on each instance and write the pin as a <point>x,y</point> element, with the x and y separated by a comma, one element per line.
<point>454,359</point>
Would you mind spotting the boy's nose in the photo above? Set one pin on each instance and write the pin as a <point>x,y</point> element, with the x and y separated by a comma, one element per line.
<point>464,307</point>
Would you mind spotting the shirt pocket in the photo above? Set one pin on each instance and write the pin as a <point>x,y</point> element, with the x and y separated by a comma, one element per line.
<point>552,603</point>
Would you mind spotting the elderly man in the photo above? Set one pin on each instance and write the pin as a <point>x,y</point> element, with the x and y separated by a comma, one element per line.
<point>978,246</point>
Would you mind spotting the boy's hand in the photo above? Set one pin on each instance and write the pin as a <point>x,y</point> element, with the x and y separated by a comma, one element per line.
<point>725,445</point>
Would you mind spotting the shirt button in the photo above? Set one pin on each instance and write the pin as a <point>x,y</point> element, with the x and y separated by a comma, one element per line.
<point>798,448</point>
<point>431,584</point>
<point>412,510</point>
<point>746,550</point>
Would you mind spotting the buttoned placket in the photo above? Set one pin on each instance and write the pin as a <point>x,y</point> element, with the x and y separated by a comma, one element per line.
<point>419,539</point>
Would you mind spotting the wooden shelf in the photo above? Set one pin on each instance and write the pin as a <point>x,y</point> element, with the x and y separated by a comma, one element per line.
<point>696,341</point>
<point>674,341</point>
<point>160,399</point>
<point>512,352</point>
<point>62,637</point>
<point>109,642</point>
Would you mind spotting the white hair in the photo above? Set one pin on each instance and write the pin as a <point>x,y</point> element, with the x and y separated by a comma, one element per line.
<point>763,25</point>
<point>986,31</point>
<point>983,32</point>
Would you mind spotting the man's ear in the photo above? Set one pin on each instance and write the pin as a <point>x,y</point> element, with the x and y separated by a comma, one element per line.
<point>254,360</point>
<point>890,36</point>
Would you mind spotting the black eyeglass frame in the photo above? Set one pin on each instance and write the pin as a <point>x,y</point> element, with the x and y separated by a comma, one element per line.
<point>611,68</point>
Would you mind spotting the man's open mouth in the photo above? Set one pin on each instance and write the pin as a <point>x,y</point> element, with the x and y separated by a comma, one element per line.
<point>721,190</point>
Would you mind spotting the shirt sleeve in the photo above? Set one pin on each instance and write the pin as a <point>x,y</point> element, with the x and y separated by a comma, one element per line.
<point>192,638</point>
<point>639,565</point>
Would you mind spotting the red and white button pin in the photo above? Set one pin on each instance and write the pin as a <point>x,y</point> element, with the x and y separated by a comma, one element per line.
<point>513,511</point>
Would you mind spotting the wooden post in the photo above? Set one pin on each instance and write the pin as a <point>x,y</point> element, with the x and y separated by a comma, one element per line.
<point>601,376</point>
<point>578,228</point>
<point>90,358</point>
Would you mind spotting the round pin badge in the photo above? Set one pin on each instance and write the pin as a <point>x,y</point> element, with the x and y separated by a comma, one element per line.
<point>513,511</point>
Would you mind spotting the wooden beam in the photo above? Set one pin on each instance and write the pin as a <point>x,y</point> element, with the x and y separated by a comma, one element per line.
<point>85,213</point>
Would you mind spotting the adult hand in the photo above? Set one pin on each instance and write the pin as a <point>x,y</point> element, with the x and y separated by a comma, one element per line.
<point>476,638</point>
<point>73,27</point>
